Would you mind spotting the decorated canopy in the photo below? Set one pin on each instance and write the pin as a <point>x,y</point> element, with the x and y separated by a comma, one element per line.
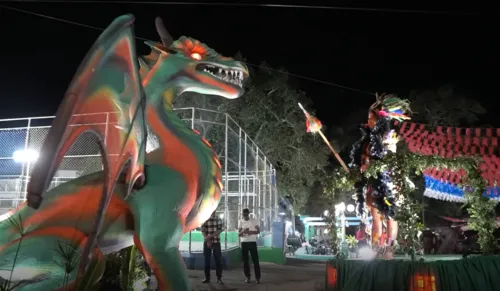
<point>450,142</point>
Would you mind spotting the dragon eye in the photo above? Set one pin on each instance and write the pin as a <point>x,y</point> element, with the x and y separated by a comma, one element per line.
<point>196,56</point>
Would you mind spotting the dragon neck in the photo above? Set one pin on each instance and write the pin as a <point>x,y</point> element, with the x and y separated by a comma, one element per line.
<point>181,149</point>
<point>162,118</point>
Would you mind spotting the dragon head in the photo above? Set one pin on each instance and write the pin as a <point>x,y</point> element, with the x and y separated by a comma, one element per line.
<point>192,66</point>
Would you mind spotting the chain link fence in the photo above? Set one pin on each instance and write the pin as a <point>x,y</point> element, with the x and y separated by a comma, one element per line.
<point>249,178</point>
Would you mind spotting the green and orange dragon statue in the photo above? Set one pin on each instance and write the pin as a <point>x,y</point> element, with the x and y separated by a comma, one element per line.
<point>147,199</point>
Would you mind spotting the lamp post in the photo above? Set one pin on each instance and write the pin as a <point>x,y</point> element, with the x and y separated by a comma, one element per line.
<point>340,210</point>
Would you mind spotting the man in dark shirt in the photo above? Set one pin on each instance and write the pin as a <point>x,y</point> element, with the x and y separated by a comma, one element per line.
<point>211,230</point>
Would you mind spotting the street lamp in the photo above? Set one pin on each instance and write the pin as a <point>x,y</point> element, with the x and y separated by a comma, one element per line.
<point>28,155</point>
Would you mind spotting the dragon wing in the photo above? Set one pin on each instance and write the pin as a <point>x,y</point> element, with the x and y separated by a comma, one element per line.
<point>449,142</point>
<point>105,98</point>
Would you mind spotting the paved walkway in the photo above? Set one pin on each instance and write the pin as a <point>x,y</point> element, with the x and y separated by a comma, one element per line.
<point>297,275</point>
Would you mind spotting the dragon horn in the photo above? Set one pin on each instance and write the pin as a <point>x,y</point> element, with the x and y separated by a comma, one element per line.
<point>166,38</point>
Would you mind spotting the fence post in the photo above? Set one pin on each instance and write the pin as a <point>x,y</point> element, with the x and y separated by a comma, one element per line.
<point>28,162</point>
<point>240,188</point>
<point>256,180</point>
<point>192,118</point>
<point>264,198</point>
<point>190,232</point>
<point>275,190</point>
<point>247,184</point>
<point>226,184</point>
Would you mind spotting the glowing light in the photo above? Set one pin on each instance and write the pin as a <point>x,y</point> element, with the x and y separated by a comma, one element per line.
<point>196,56</point>
<point>350,208</point>
<point>221,215</point>
<point>340,207</point>
<point>325,231</point>
<point>25,156</point>
<point>326,213</point>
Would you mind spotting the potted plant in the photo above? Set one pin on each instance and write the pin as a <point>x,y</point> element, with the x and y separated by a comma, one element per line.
<point>352,243</point>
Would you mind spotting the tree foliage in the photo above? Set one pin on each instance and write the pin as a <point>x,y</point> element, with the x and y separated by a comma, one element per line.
<point>270,116</point>
<point>444,106</point>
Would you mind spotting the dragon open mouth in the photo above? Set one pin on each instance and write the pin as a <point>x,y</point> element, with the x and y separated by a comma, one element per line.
<point>234,76</point>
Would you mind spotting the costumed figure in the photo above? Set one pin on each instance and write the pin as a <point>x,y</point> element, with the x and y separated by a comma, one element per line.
<point>378,194</point>
<point>147,199</point>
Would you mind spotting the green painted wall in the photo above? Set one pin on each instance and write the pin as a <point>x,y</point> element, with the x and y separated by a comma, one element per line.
<point>232,236</point>
<point>272,255</point>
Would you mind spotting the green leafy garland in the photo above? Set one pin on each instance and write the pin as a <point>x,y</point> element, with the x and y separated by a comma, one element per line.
<point>331,222</point>
<point>402,164</point>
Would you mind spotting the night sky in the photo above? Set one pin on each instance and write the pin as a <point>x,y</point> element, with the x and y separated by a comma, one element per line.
<point>369,51</point>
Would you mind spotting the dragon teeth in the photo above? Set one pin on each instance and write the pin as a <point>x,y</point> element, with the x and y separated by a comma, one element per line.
<point>229,76</point>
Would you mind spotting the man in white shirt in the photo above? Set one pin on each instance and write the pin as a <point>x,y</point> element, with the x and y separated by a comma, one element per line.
<point>248,230</point>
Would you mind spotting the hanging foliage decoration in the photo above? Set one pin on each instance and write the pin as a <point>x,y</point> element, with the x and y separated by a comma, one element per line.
<point>403,163</point>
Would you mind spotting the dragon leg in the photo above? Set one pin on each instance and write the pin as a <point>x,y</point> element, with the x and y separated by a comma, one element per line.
<point>159,226</point>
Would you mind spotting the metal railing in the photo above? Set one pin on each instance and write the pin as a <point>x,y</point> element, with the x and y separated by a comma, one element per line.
<point>249,178</point>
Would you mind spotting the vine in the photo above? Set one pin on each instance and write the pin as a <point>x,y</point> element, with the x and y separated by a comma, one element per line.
<point>402,164</point>
<point>331,222</point>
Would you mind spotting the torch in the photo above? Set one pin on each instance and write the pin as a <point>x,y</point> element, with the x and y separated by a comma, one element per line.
<point>313,125</point>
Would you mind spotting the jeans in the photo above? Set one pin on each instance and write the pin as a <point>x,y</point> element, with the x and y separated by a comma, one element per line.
<point>207,253</point>
<point>252,248</point>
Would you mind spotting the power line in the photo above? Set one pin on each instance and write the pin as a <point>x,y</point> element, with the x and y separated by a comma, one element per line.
<point>58,19</point>
<point>265,5</point>
<point>145,39</point>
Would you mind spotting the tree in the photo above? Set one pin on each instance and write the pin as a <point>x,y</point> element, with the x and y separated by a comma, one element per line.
<point>345,134</point>
<point>444,106</point>
<point>269,114</point>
